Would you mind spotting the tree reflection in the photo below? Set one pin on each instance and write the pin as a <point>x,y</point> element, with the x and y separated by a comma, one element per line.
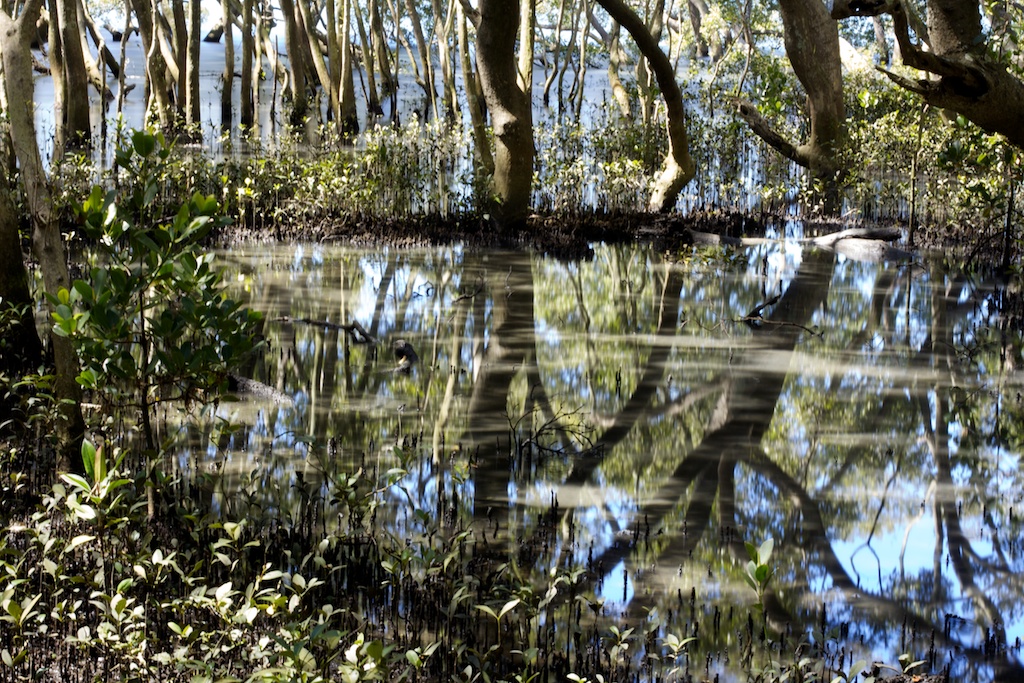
<point>643,416</point>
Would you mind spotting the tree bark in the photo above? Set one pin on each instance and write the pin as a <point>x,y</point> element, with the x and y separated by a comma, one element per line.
<point>349,115</point>
<point>389,81</point>
<point>373,107</point>
<point>106,56</point>
<point>969,82</point>
<point>193,115</point>
<point>77,128</point>
<point>177,55</point>
<point>426,79</point>
<point>228,80</point>
<point>21,347</point>
<point>294,42</point>
<point>246,115</point>
<point>812,45</point>
<point>678,168</point>
<point>550,80</point>
<point>619,93</point>
<point>442,33</point>
<point>510,109</point>
<point>334,61</point>
<point>158,102</point>
<point>60,84</point>
<point>47,243</point>
<point>474,101</point>
<point>322,81</point>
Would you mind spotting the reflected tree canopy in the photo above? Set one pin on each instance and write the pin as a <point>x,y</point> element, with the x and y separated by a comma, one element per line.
<point>641,416</point>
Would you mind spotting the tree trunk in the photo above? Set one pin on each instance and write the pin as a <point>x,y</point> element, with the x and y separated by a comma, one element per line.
<point>619,93</point>
<point>389,83</point>
<point>510,109</point>
<point>320,76</point>
<point>697,9</point>
<point>334,59</point>
<point>474,101</point>
<point>442,33</point>
<point>249,76</point>
<point>653,25</point>
<point>954,27</point>
<point>426,80</point>
<point>20,347</point>
<point>294,41</point>
<point>581,77</point>
<point>969,82</point>
<point>158,103</point>
<point>678,168</point>
<point>881,42</point>
<point>193,115</point>
<point>178,54</point>
<point>228,80</point>
<point>60,85</point>
<point>92,70</point>
<point>106,56</point>
<point>349,114</point>
<point>557,51</point>
<point>812,45</point>
<point>47,242</point>
<point>78,129</point>
<point>373,107</point>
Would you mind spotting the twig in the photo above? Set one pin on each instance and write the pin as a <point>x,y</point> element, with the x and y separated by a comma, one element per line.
<point>355,330</point>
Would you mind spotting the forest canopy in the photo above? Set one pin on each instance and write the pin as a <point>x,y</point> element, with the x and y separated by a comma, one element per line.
<point>875,104</point>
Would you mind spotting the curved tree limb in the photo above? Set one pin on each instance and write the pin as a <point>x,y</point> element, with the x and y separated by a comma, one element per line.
<point>678,168</point>
<point>969,83</point>
<point>763,129</point>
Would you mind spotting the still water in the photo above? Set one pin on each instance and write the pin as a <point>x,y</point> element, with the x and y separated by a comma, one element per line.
<point>649,413</point>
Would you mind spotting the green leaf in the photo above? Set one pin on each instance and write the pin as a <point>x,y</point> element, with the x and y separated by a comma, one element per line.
<point>77,541</point>
<point>857,667</point>
<point>89,459</point>
<point>764,553</point>
<point>76,481</point>
<point>751,551</point>
<point>510,605</point>
<point>223,591</point>
<point>374,649</point>
<point>143,143</point>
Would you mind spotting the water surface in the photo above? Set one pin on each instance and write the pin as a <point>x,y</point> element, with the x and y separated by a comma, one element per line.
<point>647,414</point>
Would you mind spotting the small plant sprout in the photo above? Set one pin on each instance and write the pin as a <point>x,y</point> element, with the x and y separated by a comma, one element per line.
<point>506,608</point>
<point>758,573</point>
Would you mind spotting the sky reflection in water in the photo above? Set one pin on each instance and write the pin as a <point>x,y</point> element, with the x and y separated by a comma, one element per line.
<point>672,419</point>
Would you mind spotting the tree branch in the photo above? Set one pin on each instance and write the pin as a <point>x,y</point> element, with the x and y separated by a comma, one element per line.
<point>763,129</point>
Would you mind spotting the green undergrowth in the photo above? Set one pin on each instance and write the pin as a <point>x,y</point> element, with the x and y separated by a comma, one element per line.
<point>92,588</point>
<point>904,163</point>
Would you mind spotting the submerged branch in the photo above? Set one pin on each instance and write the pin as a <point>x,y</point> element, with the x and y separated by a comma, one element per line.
<point>354,330</point>
<point>861,244</point>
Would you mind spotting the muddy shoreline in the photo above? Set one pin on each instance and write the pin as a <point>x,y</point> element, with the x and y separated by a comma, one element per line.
<point>570,236</point>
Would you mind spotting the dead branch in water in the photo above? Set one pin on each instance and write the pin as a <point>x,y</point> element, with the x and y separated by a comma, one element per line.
<point>354,330</point>
<point>862,244</point>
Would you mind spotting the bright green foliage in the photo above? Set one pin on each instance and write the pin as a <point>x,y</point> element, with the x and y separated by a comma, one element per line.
<point>758,573</point>
<point>151,321</point>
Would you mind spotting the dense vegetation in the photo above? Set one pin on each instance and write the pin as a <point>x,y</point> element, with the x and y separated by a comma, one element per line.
<point>114,569</point>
